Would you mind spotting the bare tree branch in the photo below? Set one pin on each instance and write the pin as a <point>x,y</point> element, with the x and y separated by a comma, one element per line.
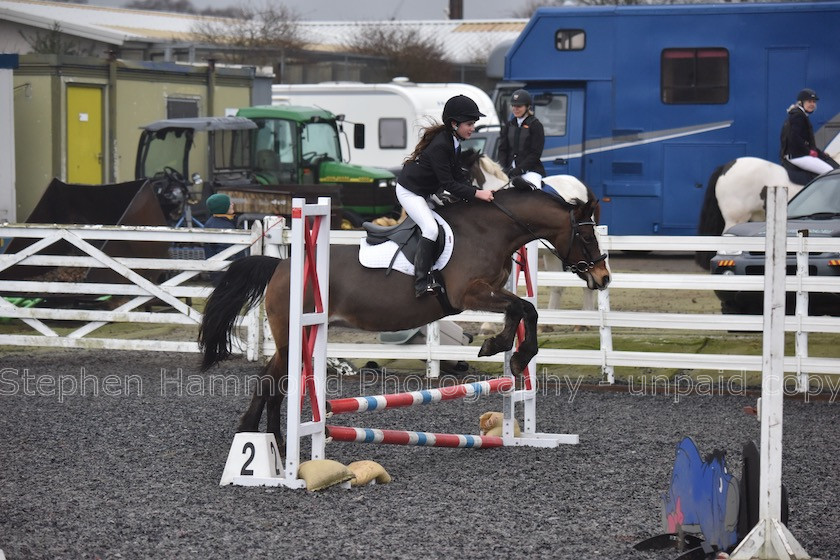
<point>55,41</point>
<point>253,35</point>
<point>407,53</point>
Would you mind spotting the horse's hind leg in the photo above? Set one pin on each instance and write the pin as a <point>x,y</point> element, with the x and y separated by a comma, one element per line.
<point>250,421</point>
<point>274,402</point>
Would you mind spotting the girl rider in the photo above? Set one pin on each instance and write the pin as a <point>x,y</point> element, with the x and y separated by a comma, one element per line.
<point>435,165</point>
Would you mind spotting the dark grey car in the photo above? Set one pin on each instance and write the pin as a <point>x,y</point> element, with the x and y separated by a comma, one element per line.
<point>485,140</point>
<point>817,209</point>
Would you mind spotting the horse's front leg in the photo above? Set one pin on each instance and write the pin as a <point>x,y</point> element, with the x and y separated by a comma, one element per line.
<point>504,340</point>
<point>528,347</point>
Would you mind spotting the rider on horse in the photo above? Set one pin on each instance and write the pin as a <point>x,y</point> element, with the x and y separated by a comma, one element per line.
<point>798,146</point>
<point>435,165</point>
<point>522,138</point>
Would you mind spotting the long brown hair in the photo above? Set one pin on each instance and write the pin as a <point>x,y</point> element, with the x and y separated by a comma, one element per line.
<point>429,132</point>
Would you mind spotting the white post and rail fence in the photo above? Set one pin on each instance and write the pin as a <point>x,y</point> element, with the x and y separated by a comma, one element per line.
<point>175,299</point>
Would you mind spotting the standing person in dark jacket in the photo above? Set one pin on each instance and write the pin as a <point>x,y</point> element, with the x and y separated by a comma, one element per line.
<point>223,211</point>
<point>435,165</point>
<point>522,139</point>
<point>797,138</point>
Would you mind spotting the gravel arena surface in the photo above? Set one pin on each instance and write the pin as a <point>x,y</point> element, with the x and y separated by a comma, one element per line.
<point>133,471</point>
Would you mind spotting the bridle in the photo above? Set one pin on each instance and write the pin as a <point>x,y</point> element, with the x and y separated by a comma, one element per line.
<point>578,267</point>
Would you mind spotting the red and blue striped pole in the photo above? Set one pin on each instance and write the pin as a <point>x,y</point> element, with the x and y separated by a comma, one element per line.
<point>426,396</point>
<point>400,437</point>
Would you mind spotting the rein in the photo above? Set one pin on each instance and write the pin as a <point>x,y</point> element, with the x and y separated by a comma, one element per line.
<point>580,266</point>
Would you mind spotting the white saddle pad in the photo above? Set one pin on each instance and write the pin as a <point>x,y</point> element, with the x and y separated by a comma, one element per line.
<point>380,256</point>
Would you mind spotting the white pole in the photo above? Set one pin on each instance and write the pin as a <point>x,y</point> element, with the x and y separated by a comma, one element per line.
<point>802,299</point>
<point>529,405</point>
<point>319,352</point>
<point>432,343</point>
<point>7,134</point>
<point>770,539</point>
<point>296,292</point>
<point>604,330</point>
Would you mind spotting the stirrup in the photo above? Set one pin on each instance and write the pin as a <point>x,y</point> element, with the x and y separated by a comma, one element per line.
<point>429,286</point>
<point>428,290</point>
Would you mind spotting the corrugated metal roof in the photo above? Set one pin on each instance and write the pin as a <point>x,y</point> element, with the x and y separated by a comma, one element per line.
<point>110,25</point>
<point>461,40</point>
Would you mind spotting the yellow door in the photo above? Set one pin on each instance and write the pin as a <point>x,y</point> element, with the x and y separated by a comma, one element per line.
<point>84,135</point>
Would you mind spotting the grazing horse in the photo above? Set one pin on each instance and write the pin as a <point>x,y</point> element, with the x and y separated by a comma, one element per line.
<point>734,195</point>
<point>485,237</point>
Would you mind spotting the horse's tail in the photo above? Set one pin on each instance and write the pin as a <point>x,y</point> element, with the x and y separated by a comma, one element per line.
<point>711,219</point>
<point>241,286</point>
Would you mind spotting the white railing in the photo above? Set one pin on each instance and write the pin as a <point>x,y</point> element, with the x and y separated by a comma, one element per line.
<point>143,282</point>
<point>605,319</point>
<point>185,300</point>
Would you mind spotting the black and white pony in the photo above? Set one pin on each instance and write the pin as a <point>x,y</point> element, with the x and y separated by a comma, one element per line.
<point>735,194</point>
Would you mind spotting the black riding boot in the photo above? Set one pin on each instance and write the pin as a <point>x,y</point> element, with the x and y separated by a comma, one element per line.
<point>424,281</point>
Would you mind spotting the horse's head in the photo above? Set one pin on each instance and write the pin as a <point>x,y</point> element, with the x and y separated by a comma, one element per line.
<point>485,173</point>
<point>578,246</point>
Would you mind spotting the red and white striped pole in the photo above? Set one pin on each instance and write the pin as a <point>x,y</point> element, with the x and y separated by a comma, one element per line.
<point>401,437</point>
<point>426,396</point>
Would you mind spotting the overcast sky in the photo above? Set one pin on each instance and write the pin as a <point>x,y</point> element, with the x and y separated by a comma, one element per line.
<point>347,10</point>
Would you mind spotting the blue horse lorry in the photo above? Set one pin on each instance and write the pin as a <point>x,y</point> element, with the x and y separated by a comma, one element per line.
<point>642,103</point>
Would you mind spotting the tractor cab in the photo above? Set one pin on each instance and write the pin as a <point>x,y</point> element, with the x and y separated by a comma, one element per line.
<point>185,167</point>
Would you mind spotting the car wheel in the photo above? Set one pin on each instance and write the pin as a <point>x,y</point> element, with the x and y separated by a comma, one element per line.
<point>732,308</point>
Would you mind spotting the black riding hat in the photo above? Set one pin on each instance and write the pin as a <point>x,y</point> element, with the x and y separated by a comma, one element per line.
<point>521,97</point>
<point>461,109</point>
<point>807,95</point>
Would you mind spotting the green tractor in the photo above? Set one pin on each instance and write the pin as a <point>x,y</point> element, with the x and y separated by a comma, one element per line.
<point>262,159</point>
<point>296,145</point>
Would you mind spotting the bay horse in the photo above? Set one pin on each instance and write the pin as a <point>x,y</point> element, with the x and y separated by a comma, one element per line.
<point>734,195</point>
<point>485,237</point>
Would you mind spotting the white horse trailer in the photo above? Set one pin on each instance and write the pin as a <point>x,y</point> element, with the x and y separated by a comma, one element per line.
<point>392,114</point>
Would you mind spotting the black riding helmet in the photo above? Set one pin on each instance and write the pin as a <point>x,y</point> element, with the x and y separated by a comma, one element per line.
<point>461,109</point>
<point>521,97</point>
<point>807,95</point>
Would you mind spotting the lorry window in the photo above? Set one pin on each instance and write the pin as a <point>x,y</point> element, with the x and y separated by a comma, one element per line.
<point>392,133</point>
<point>570,40</point>
<point>320,139</point>
<point>553,114</point>
<point>695,75</point>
